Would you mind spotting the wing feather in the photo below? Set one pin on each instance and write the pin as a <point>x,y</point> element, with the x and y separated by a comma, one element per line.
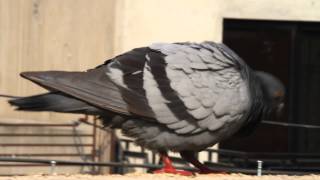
<point>211,93</point>
<point>189,87</point>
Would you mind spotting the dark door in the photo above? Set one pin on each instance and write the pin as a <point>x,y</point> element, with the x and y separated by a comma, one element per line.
<point>290,51</point>
<point>306,108</point>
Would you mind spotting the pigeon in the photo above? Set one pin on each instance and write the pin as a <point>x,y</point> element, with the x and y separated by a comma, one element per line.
<point>181,97</point>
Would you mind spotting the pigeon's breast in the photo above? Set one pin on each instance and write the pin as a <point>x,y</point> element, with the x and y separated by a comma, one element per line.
<point>158,137</point>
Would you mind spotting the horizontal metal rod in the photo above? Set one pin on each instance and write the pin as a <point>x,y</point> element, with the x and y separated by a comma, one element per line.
<point>291,125</point>
<point>264,154</point>
<point>38,124</point>
<point>44,135</point>
<point>26,145</point>
<point>9,96</point>
<point>84,121</point>
<point>78,163</point>
<point>21,165</point>
<point>41,154</point>
<point>153,166</point>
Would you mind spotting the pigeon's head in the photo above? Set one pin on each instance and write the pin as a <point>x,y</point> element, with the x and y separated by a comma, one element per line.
<point>273,90</point>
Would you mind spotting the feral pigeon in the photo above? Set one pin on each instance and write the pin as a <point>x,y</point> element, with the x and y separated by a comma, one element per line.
<point>181,97</point>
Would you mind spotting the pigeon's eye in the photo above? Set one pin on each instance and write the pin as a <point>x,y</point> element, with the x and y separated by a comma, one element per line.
<point>278,94</point>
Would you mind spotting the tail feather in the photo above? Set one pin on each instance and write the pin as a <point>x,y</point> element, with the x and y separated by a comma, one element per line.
<point>92,87</point>
<point>55,102</point>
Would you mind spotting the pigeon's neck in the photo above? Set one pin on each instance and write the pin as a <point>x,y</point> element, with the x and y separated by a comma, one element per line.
<point>259,106</point>
<point>262,98</point>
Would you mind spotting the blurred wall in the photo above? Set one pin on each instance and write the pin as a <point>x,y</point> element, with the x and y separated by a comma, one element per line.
<point>142,22</point>
<point>50,35</point>
<point>80,34</point>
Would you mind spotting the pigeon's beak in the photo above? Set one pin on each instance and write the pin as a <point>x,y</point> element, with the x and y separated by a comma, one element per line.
<point>279,110</point>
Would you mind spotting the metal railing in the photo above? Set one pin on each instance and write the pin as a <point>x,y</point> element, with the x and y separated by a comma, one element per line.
<point>56,163</point>
<point>77,143</point>
<point>152,164</point>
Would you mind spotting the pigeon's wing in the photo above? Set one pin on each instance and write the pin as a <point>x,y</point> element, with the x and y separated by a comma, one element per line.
<point>188,87</point>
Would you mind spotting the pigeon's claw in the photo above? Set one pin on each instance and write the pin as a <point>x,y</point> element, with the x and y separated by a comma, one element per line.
<point>173,171</point>
<point>169,168</point>
<point>209,171</point>
<point>202,169</point>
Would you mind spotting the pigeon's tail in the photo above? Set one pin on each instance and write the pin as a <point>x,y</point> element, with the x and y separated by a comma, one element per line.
<point>55,102</point>
<point>76,92</point>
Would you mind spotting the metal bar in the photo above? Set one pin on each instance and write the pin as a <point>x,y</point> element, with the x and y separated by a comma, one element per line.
<point>264,154</point>
<point>209,155</point>
<point>153,157</point>
<point>283,155</point>
<point>78,163</point>
<point>227,152</point>
<point>90,145</point>
<point>292,125</point>
<point>118,164</point>
<point>82,120</point>
<point>37,124</point>
<point>21,165</point>
<point>9,96</point>
<point>39,154</point>
<point>94,140</point>
<point>43,135</point>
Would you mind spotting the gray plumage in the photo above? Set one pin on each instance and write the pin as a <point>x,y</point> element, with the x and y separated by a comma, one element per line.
<point>179,97</point>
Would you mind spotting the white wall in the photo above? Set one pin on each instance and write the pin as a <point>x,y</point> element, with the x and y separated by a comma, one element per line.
<point>141,22</point>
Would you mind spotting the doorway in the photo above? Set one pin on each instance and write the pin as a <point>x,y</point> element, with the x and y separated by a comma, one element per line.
<point>291,52</point>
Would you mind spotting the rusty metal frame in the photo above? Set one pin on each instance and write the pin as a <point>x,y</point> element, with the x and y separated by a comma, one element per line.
<point>85,120</point>
<point>43,162</point>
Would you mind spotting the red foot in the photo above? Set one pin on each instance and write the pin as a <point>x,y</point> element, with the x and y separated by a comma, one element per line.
<point>169,168</point>
<point>190,157</point>
<point>209,171</point>
<point>173,171</point>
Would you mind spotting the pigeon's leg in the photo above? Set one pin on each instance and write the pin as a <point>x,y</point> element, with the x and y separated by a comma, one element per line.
<point>191,158</point>
<point>169,168</point>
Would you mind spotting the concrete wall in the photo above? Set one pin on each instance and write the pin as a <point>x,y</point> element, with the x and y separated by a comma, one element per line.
<point>50,35</point>
<point>80,34</point>
<point>142,22</point>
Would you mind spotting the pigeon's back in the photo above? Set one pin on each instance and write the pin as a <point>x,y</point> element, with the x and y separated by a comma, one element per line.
<point>187,87</point>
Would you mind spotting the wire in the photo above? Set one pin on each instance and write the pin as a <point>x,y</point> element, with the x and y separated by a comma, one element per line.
<point>292,125</point>
<point>80,150</point>
<point>97,126</point>
<point>9,96</point>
